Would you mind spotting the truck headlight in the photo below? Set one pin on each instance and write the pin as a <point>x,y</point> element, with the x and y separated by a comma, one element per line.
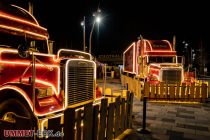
<point>44,92</point>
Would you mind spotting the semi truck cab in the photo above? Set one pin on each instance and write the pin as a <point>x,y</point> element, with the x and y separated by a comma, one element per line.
<point>34,83</point>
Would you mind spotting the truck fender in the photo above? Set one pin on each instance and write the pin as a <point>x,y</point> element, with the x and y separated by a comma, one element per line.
<point>13,91</point>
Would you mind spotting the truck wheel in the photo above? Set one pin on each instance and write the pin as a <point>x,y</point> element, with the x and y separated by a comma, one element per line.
<point>11,107</point>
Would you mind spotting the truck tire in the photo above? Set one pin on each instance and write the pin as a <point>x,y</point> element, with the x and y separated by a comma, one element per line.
<point>13,106</point>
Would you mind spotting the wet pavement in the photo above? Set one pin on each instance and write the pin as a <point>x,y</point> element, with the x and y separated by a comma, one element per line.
<point>166,120</point>
<point>173,121</point>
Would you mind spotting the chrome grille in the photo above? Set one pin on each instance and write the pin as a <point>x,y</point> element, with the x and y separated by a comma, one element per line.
<point>172,76</point>
<point>80,81</point>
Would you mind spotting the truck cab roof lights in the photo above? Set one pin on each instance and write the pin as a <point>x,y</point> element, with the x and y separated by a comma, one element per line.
<point>21,22</point>
<point>150,46</point>
<point>26,12</point>
<point>147,43</point>
<point>168,44</point>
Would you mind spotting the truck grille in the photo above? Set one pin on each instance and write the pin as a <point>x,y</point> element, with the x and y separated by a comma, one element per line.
<point>80,81</point>
<point>172,76</point>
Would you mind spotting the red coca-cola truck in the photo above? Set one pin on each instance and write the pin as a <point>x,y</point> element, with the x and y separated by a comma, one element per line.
<point>153,61</point>
<point>34,83</point>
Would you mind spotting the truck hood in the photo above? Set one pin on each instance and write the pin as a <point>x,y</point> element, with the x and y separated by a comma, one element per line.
<point>67,53</point>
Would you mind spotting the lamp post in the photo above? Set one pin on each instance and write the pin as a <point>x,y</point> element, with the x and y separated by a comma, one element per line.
<point>96,20</point>
<point>91,36</point>
<point>30,7</point>
<point>83,25</point>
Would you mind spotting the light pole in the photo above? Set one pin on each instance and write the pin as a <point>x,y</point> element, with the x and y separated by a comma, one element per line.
<point>97,19</point>
<point>30,6</point>
<point>83,25</point>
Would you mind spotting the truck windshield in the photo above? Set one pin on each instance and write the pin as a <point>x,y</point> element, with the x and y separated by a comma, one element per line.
<point>13,41</point>
<point>160,59</point>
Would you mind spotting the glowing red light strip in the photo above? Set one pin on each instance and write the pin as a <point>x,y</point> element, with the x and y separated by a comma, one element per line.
<point>8,50</point>
<point>136,59</point>
<point>150,46</point>
<point>155,65</point>
<point>144,46</point>
<point>37,80</point>
<point>168,44</point>
<point>134,56</point>
<point>19,91</point>
<point>43,54</point>
<point>24,31</point>
<point>161,51</point>
<point>129,72</point>
<point>40,65</point>
<point>20,20</point>
<point>154,69</point>
<point>25,96</point>
<point>27,12</point>
<point>151,49</point>
<point>35,53</point>
<point>133,44</point>
<point>26,63</point>
<point>41,81</point>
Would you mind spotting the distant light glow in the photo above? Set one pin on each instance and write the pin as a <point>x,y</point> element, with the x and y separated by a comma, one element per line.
<point>82,23</point>
<point>98,19</point>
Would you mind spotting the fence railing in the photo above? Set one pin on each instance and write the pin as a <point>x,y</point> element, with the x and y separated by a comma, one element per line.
<point>180,92</point>
<point>97,122</point>
<point>198,92</point>
<point>101,121</point>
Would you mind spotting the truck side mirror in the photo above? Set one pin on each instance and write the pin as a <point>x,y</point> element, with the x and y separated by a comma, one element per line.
<point>23,50</point>
<point>140,60</point>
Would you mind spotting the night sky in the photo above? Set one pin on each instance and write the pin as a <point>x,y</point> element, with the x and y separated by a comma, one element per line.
<point>123,21</point>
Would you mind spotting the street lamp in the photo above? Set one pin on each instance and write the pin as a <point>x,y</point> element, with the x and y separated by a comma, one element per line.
<point>83,25</point>
<point>96,20</point>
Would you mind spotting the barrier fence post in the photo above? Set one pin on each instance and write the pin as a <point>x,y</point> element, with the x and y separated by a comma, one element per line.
<point>143,130</point>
